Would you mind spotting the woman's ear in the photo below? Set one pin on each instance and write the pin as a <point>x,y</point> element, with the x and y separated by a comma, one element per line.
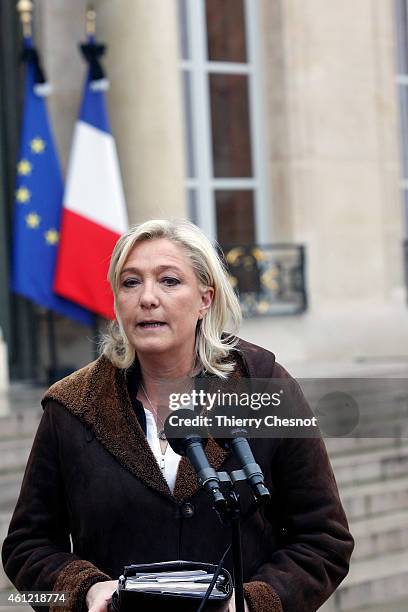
<point>206,301</point>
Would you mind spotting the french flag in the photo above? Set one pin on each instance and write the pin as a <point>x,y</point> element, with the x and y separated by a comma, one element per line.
<point>94,209</point>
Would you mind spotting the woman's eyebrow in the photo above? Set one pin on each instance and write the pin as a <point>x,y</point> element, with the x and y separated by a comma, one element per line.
<point>158,269</point>
<point>169,267</point>
<point>125,270</point>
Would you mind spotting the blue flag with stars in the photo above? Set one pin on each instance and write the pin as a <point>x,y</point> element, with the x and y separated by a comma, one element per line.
<point>38,201</point>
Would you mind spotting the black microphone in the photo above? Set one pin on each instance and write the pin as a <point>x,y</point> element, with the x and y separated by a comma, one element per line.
<point>242,450</point>
<point>190,442</point>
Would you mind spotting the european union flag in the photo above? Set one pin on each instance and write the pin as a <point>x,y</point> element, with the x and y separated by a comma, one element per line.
<point>38,197</point>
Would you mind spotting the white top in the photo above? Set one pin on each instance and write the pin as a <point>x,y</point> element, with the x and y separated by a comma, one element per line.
<point>168,462</point>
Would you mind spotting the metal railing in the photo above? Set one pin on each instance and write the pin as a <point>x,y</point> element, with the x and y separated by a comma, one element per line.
<point>268,279</point>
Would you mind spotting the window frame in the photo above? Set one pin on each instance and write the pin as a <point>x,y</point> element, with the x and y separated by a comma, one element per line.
<point>401,79</point>
<point>204,184</point>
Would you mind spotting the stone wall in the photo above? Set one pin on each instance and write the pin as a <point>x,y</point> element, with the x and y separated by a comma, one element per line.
<point>333,161</point>
<point>331,129</point>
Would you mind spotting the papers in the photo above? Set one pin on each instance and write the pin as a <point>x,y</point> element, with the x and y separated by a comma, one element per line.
<point>193,583</point>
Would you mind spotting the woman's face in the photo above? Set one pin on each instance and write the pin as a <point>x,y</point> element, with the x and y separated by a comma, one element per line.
<point>159,300</point>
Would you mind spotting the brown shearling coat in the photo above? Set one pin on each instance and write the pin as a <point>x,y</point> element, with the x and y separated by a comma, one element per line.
<point>91,476</point>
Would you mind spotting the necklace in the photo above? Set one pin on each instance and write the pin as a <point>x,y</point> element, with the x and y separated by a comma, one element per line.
<point>160,433</point>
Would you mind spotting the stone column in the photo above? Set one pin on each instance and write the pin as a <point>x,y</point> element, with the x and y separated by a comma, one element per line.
<point>333,160</point>
<point>334,154</point>
<point>145,103</point>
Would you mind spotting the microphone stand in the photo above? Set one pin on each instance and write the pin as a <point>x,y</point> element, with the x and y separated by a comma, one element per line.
<point>225,502</point>
<point>233,500</point>
<point>231,513</point>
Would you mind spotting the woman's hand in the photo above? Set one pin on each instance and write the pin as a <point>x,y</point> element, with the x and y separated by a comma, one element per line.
<point>99,596</point>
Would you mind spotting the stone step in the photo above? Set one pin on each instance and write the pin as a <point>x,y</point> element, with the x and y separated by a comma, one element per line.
<point>370,465</point>
<point>5,518</point>
<point>20,397</point>
<point>392,606</point>
<point>21,424</point>
<point>372,582</point>
<point>4,523</point>
<point>374,397</point>
<point>4,594</point>
<point>379,535</point>
<point>342,446</point>
<point>386,422</point>
<point>374,498</point>
<point>14,454</point>
<point>10,484</point>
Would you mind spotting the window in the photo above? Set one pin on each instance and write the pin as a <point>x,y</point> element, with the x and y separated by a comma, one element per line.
<point>401,13</point>
<point>222,111</point>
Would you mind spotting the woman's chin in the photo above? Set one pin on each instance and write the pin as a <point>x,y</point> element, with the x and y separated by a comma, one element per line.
<point>151,345</point>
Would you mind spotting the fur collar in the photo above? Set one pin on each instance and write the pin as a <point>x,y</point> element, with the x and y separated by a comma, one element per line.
<point>98,395</point>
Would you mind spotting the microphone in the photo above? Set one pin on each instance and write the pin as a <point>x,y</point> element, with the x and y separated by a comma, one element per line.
<point>190,442</point>
<point>242,450</point>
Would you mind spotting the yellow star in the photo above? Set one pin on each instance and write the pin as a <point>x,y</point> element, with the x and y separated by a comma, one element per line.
<point>51,236</point>
<point>23,195</point>
<point>24,167</point>
<point>37,145</point>
<point>33,220</point>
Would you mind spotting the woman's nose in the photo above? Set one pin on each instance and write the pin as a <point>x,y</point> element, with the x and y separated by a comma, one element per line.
<point>149,296</point>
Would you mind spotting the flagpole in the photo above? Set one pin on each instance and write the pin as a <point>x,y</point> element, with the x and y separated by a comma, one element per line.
<point>96,216</point>
<point>25,8</point>
<point>90,31</point>
<point>39,181</point>
<point>52,347</point>
<point>90,24</point>
<point>25,313</point>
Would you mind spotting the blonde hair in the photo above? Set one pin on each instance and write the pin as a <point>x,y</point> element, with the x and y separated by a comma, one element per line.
<point>213,347</point>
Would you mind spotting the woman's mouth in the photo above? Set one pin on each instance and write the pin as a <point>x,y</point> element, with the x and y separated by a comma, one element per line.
<point>151,324</point>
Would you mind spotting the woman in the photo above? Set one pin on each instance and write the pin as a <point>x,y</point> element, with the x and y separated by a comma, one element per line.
<point>102,474</point>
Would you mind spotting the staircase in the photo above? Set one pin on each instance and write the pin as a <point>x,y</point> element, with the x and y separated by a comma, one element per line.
<point>372,475</point>
<point>20,412</point>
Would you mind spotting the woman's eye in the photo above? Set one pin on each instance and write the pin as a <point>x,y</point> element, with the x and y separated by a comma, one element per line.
<point>130,282</point>
<point>170,281</point>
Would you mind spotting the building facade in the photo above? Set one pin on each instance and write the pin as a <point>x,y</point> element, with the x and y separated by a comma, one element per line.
<point>263,122</point>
